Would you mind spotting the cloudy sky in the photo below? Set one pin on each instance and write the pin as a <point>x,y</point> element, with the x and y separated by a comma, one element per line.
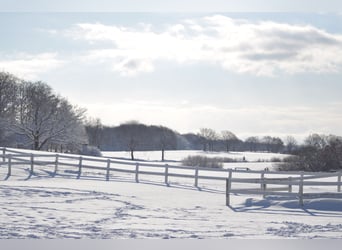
<point>251,73</point>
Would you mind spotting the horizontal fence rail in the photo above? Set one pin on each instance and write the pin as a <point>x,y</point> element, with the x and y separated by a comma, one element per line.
<point>287,186</point>
<point>267,183</point>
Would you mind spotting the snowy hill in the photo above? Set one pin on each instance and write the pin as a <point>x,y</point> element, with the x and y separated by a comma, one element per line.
<point>91,207</point>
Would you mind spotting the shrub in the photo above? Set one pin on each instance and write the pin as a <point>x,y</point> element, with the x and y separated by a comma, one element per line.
<point>275,159</point>
<point>314,159</point>
<point>291,163</point>
<point>227,159</point>
<point>203,161</point>
<point>91,151</point>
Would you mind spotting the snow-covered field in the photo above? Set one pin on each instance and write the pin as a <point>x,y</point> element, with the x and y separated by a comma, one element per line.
<point>178,155</point>
<point>255,160</point>
<point>91,207</point>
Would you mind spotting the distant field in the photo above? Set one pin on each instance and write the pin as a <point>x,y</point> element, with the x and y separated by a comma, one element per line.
<point>178,155</point>
<point>255,160</point>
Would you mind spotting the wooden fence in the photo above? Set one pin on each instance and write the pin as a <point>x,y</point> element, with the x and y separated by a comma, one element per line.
<point>284,186</point>
<point>13,157</point>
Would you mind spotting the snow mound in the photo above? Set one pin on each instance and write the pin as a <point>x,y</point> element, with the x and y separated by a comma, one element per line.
<point>316,204</point>
<point>319,204</point>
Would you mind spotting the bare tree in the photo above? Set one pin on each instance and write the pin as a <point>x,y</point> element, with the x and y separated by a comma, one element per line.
<point>131,135</point>
<point>290,143</point>
<point>94,131</point>
<point>271,144</point>
<point>316,140</point>
<point>69,131</point>
<point>313,157</point>
<point>168,140</point>
<point>36,107</point>
<point>8,93</point>
<point>228,138</point>
<point>209,135</point>
<point>43,118</point>
<point>252,143</point>
<point>267,142</point>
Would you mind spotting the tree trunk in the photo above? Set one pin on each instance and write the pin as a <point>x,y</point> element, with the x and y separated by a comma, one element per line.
<point>162,154</point>
<point>211,146</point>
<point>36,143</point>
<point>132,154</point>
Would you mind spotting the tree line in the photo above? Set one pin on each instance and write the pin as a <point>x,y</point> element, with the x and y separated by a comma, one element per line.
<point>131,136</point>
<point>33,116</point>
<point>134,136</point>
<point>317,153</point>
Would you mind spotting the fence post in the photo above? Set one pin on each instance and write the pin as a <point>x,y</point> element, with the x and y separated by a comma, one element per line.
<point>290,185</point>
<point>167,174</point>
<point>108,167</point>
<point>196,177</point>
<point>228,187</point>
<point>263,184</point>
<point>339,181</point>
<point>79,168</point>
<point>301,203</point>
<point>56,165</point>
<point>32,164</point>
<point>137,172</point>
<point>262,178</point>
<point>9,166</point>
<point>4,154</point>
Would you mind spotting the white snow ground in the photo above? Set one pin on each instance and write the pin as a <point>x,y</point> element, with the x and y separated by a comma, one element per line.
<point>178,155</point>
<point>90,207</point>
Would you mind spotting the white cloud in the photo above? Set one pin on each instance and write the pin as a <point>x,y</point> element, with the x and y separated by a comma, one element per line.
<point>130,67</point>
<point>29,66</point>
<point>242,46</point>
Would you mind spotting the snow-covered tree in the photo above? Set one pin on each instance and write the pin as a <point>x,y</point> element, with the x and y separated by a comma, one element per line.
<point>44,118</point>
<point>69,132</point>
<point>8,93</point>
